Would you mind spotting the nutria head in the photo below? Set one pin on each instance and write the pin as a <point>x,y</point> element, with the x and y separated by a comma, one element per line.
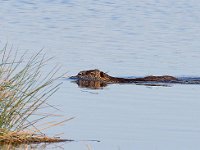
<point>93,75</point>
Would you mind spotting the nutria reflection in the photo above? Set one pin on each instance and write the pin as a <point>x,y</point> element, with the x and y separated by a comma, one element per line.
<point>91,84</point>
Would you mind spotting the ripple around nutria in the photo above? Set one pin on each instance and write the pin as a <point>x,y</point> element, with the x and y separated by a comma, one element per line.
<point>96,79</point>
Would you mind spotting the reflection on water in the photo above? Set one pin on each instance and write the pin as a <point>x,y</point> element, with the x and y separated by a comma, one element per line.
<point>124,38</point>
<point>39,146</point>
<point>90,84</point>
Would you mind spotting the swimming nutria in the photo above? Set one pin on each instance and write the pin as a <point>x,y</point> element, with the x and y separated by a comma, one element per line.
<point>97,75</point>
<point>96,79</point>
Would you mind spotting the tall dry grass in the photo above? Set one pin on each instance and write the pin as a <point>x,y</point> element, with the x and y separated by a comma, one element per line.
<point>24,89</point>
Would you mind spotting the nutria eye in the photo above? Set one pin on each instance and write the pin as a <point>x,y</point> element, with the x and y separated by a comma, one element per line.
<point>101,74</point>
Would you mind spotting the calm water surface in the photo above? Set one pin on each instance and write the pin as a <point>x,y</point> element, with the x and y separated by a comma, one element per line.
<point>124,38</point>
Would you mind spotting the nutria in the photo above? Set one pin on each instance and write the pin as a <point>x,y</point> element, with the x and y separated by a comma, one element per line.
<point>97,75</point>
<point>96,79</point>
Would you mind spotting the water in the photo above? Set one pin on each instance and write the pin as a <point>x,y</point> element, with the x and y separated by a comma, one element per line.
<point>123,38</point>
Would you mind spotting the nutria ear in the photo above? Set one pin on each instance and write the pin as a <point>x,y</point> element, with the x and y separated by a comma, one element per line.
<point>102,74</point>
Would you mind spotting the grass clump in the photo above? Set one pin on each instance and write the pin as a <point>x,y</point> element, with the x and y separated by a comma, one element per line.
<point>24,89</point>
<point>26,137</point>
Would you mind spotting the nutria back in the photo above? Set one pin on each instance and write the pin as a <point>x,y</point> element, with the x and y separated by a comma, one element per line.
<point>164,78</point>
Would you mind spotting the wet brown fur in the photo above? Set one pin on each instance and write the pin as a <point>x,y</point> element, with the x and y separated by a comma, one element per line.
<point>97,75</point>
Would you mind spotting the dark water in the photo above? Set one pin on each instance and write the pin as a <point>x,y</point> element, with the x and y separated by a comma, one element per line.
<point>123,38</point>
